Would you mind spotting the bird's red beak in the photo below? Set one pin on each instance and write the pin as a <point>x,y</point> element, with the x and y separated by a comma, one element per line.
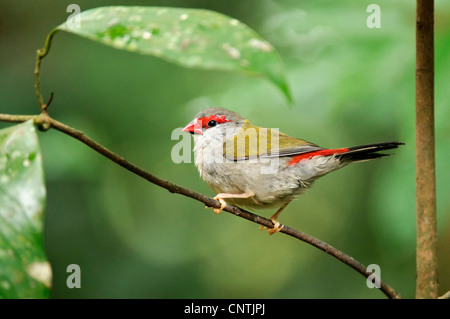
<point>195,127</point>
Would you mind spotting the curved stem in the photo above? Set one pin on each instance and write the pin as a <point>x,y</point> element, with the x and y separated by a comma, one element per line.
<point>44,118</point>
<point>40,54</point>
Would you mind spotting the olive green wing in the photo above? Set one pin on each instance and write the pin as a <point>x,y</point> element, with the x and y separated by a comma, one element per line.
<point>253,142</point>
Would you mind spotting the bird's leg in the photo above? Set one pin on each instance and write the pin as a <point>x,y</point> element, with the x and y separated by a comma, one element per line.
<point>220,197</point>
<point>276,224</point>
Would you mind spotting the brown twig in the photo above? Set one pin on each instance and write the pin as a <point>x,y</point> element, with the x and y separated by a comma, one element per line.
<point>45,119</point>
<point>40,54</point>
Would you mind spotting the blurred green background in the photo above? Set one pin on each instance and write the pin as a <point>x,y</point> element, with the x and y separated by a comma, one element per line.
<point>351,84</point>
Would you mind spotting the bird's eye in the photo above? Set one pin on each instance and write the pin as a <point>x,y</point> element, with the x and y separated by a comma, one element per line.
<point>212,123</point>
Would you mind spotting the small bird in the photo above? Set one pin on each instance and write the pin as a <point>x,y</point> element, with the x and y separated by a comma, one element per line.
<point>259,167</point>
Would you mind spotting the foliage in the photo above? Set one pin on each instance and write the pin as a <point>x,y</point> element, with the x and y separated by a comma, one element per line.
<point>24,271</point>
<point>351,85</point>
<point>193,38</point>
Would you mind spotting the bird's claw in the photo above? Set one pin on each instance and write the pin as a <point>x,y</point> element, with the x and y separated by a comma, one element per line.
<point>275,229</point>
<point>223,204</point>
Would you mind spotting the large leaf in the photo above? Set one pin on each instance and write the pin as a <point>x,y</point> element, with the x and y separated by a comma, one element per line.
<point>24,270</point>
<point>193,38</point>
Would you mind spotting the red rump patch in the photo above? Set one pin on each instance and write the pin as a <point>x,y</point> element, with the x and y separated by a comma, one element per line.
<point>309,155</point>
<point>219,119</point>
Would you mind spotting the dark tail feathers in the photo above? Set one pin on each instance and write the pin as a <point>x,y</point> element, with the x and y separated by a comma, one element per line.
<point>368,152</point>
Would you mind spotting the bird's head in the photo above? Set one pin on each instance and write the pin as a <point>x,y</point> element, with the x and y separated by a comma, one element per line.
<point>215,123</point>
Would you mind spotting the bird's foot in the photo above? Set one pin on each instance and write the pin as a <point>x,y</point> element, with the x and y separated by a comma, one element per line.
<point>220,197</point>
<point>223,204</point>
<point>275,229</point>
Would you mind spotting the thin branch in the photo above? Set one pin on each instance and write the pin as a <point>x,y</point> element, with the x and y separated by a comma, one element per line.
<point>208,201</point>
<point>48,102</point>
<point>17,118</point>
<point>40,54</point>
<point>37,81</point>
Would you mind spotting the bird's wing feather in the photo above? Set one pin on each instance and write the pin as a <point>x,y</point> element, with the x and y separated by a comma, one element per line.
<point>268,143</point>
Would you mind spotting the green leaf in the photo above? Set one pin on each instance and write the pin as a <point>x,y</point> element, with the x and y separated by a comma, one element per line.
<point>193,38</point>
<point>24,270</point>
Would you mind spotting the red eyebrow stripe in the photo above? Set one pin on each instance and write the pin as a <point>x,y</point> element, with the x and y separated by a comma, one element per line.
<point>298,158</point>
<point>219,119</point>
